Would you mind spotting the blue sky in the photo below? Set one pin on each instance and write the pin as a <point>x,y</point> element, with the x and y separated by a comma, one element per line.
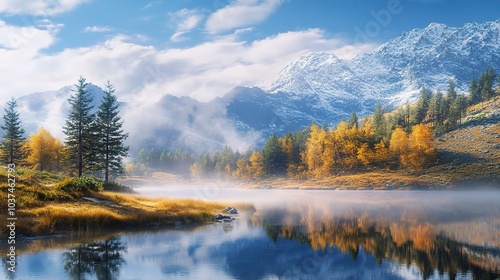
<point>200,49</point>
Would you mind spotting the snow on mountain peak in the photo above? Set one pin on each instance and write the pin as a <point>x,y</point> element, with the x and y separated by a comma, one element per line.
<point>398,69</point>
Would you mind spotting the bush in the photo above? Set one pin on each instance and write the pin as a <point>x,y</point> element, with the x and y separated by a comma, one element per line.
<point>115,187</point>
<point>83,184</point>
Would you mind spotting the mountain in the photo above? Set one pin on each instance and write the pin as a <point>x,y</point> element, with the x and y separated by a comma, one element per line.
<point>398,69</point>
<point>51,108</point>
<point>323,88</point>
<point>318,87</point>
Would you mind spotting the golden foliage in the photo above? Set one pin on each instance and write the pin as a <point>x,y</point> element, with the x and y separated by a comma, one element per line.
<point>242,170</point>
<point>256,167</point>
<point>43,150</point>
<point>316,160</point>
<point>399,145</point>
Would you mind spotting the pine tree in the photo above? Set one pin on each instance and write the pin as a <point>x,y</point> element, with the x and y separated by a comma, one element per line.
<point>422,105</point>
<point>274,157</point>
<point>379,124</point>
<point>451,93</point>
<point>110,145</point>
<point>353,120</point>
<point>80,138</point>
<point>486,84</point>
<point>13,135</point>
<point>475,92</point>
<point>435,108</point>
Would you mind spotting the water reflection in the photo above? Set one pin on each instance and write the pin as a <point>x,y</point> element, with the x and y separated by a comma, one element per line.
<point>410,236</point>
<point>314,235</point>
<point>100,258</point>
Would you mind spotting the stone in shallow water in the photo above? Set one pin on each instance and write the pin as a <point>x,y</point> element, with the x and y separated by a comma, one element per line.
<point>231,210</point>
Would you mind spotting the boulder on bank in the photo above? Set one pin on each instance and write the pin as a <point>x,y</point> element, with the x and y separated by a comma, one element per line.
<point>231,210</point>
<point>220,218</point>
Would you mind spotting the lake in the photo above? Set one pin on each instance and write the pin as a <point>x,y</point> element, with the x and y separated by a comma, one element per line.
<point>291,234</point>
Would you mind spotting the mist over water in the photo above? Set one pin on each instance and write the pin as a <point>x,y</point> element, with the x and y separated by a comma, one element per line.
<point>300,234</point>
<point>424,200</point>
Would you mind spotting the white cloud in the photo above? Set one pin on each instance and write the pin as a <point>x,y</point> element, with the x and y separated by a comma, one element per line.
<point>241,13</point>
<point>143,72</point>
<point>150,5</point>
<point>184,21</point>
<point>39,7</point>
<point>97,29</point>
<point>27,38</point>
<point>178,37</point>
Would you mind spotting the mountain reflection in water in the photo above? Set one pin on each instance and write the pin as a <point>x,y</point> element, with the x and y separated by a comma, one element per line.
<point>304,235</point>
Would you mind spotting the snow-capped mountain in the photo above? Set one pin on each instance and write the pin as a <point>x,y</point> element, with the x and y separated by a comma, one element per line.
<point>318,87</point>
<point>398,69</point>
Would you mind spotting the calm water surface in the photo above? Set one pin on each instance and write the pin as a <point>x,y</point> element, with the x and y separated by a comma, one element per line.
<point>293,235</point>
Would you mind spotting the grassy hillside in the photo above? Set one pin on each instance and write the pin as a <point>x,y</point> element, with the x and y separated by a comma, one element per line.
<point>468,156</point>
<point>45,204</point>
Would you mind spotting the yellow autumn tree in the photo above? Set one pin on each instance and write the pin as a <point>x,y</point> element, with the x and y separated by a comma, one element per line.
<point>381,152</point>
<point>313,155</point>
<point>365,154</point>
<point>43,151</point>
<point>346,145</point>
<point>421,145</point>
<point>399,145</point>
<point>287,147</point>
<point>242,170</point>
<point>256,168</point>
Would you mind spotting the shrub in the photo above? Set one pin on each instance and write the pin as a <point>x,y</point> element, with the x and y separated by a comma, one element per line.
<point>116,187</point>
<point>83,184</point>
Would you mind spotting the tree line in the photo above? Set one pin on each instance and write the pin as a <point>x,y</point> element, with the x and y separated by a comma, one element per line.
<point>399,139</point>
<point>94,142</point>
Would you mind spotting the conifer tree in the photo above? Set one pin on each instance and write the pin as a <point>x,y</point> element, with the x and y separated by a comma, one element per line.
<point>109,146</point>
<point>353,120</point>
<point>422,105</point>
<point>13,135</point>
<point>80,139</point>
<point>379,124</point>
<point>474,92</point>
<point>274,157</point>
<point>486,84</point>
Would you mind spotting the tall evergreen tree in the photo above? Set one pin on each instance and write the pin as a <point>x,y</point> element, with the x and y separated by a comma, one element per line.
<point>379,123</point>
<point>486,84</point>
<point>422,106</point>
<point>110,147</point>
<point>451,93</point>
<point>80,139</point>
<point>353,120</point>
<point>13,134</point>
<point>475,92</point>
<point>436,109</point>
<point>274,157</point>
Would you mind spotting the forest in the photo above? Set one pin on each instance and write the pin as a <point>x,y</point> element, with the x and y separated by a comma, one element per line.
<point>399,139</point>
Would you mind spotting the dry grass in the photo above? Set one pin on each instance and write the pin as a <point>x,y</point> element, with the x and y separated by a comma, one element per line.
<point>376,180</point>
<point>44,208</point>
<point>119,211</point>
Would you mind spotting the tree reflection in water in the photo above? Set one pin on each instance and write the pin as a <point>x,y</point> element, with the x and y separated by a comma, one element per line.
<point>100,258</point>
<point>411,240</point>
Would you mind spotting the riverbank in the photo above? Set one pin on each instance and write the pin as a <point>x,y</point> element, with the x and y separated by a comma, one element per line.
<point>42,205</point>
